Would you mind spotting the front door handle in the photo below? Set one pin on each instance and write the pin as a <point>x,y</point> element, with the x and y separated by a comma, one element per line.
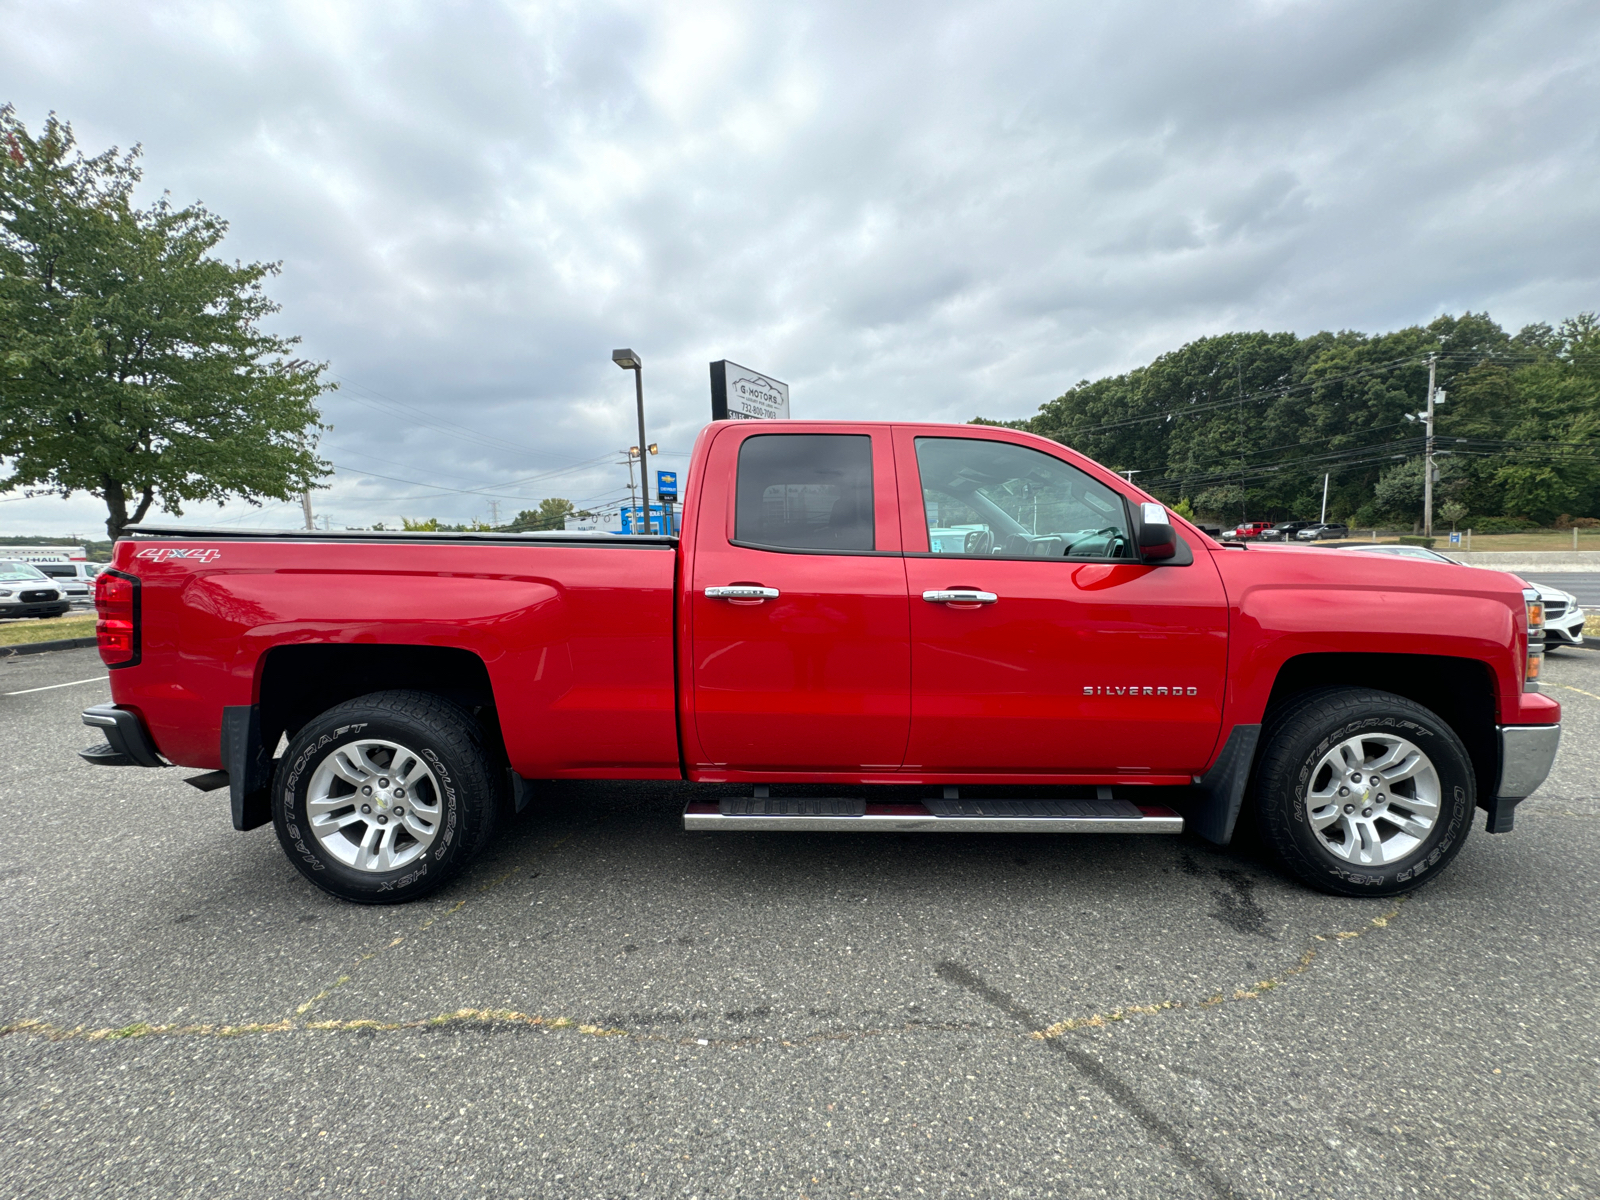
<point>742,591</point>
<point>960,596</point>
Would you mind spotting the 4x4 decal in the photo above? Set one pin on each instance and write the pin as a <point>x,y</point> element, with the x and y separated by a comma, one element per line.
<point>168,552</point>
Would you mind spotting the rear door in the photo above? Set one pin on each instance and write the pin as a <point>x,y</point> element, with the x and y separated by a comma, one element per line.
<point>799,627</point>
<point>1039,642</point>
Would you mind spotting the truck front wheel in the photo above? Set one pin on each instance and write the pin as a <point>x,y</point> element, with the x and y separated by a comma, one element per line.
<point>1363,793</point>
<point>387,797</point>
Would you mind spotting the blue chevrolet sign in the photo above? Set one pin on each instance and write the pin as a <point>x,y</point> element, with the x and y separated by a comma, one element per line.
<point>667,484</point>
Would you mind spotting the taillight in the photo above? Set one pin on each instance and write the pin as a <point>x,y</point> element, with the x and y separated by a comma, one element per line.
<point>116,605</point>
<point>1530,674</point>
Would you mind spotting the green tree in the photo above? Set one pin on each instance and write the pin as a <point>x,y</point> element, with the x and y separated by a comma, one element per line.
<point>133,365</point>
<point>551,514</point>
<point>1248,424</point>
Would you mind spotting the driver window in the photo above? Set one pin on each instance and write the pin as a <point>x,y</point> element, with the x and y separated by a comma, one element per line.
<point>995,499</point>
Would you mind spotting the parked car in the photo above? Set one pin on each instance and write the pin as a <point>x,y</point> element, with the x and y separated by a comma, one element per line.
<point>1068,634</point>
<point>1248,532</point>
<point>1284,531</point>
<point>1322,531</point>
<point>75,579</point>
<point>1563,615</point>
<point>25,591</point>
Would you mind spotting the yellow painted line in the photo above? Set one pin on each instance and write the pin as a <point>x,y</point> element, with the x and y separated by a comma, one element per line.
<point>1580,691</point>
<point>1100,1020</point>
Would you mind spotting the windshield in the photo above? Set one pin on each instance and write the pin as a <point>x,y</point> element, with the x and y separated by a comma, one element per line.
<point>15,572</point>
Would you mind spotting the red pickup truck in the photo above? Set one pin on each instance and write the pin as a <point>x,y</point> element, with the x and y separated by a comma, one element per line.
<point>948,627</point>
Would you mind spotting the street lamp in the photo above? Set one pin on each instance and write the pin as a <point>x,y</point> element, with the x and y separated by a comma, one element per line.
<point>629,361</point>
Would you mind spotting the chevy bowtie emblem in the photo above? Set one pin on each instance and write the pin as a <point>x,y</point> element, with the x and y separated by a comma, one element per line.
<point>1140,691</point>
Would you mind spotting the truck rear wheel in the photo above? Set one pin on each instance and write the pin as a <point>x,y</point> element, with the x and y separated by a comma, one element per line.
<point>1363,793</point>
<point>387,797</point>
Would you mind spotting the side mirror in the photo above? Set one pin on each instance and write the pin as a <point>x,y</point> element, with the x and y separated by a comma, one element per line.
<point>1157,538</point>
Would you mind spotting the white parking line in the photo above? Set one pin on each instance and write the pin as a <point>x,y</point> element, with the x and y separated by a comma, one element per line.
<point>52,686</point>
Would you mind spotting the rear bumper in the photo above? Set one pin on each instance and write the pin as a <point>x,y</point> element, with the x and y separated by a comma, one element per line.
<point>1527,753</point>
<point>127,744</point>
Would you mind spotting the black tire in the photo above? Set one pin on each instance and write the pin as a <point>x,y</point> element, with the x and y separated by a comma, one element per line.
<point>465,788</point>
<point>1294,745</point>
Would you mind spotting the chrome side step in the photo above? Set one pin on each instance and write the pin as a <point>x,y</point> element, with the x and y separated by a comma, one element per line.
<point>781,814</point>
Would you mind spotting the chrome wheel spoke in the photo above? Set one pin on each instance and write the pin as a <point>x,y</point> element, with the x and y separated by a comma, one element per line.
<point>328,804</point>
<point>1391,756</point>
<point>1368,849</point>
<point>1414,826</point>
<point>348,767</point>
<point>1344,847</point>
<point>1407,768</point>
<point>420,825</point>
<point>1323,816</point>
<point>332,824</point>
<point>1352,755</point>
<point>405,767</point>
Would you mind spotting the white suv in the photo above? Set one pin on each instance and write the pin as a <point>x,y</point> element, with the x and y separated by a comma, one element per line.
<point>26,591</point>
<point>75,579</point>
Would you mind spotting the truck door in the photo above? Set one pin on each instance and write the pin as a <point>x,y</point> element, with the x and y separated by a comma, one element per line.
<point>1039,642</point>
<point>800,635</point>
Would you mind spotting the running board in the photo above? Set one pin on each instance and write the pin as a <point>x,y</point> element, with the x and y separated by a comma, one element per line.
<point>787,814</point>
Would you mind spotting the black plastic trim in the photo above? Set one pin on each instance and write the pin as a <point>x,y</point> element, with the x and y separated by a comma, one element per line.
<point>809,550</point>
<point>1076,562</point>
<point>1501,812</point>
<point>125,734</point>
<point>1221,790</point>
<point>138,619</point>
<point>105,755</point>
<point>649,541</point>
<point>248,766</point>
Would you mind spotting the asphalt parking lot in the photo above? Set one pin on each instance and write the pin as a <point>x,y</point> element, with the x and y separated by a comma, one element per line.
<point>608,1006</point>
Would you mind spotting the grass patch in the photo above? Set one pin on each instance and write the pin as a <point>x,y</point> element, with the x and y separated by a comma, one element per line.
<point>48,629</point>
<point>1539,539</point>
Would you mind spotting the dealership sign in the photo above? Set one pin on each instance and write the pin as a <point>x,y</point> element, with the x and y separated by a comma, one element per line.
<point>740,394</point>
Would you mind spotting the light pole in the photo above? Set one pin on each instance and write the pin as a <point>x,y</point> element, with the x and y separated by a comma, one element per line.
<point>629,361</point>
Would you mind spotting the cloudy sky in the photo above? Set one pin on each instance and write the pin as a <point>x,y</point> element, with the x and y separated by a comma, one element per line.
<point>920,211</point>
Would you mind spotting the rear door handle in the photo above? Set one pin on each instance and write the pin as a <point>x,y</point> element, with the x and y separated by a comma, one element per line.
<point>960,596</point>
<point>741,592</point>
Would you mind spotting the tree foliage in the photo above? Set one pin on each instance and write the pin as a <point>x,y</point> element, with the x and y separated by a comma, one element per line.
<point>1243,426</point>
<point>551,514</point>
<point>133,364</point>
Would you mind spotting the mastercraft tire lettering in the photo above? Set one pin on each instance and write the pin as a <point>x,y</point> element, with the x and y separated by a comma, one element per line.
<point>387,797</point>
<point>1363,793</point>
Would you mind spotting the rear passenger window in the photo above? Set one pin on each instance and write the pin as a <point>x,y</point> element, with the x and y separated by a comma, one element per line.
<point>805,491</point>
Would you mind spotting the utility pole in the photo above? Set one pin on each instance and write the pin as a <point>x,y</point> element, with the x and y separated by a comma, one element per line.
<point>1324,518</point>
<point>494,513</point>
<point>1129,474</point>
<point>1427,468</point>
<point>628,455</point>
<point>305,503</point>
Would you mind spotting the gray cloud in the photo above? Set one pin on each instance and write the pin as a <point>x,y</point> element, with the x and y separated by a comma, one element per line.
<point>928,210</point>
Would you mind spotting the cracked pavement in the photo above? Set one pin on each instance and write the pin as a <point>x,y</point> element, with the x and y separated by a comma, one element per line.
<point>608,1006</point>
